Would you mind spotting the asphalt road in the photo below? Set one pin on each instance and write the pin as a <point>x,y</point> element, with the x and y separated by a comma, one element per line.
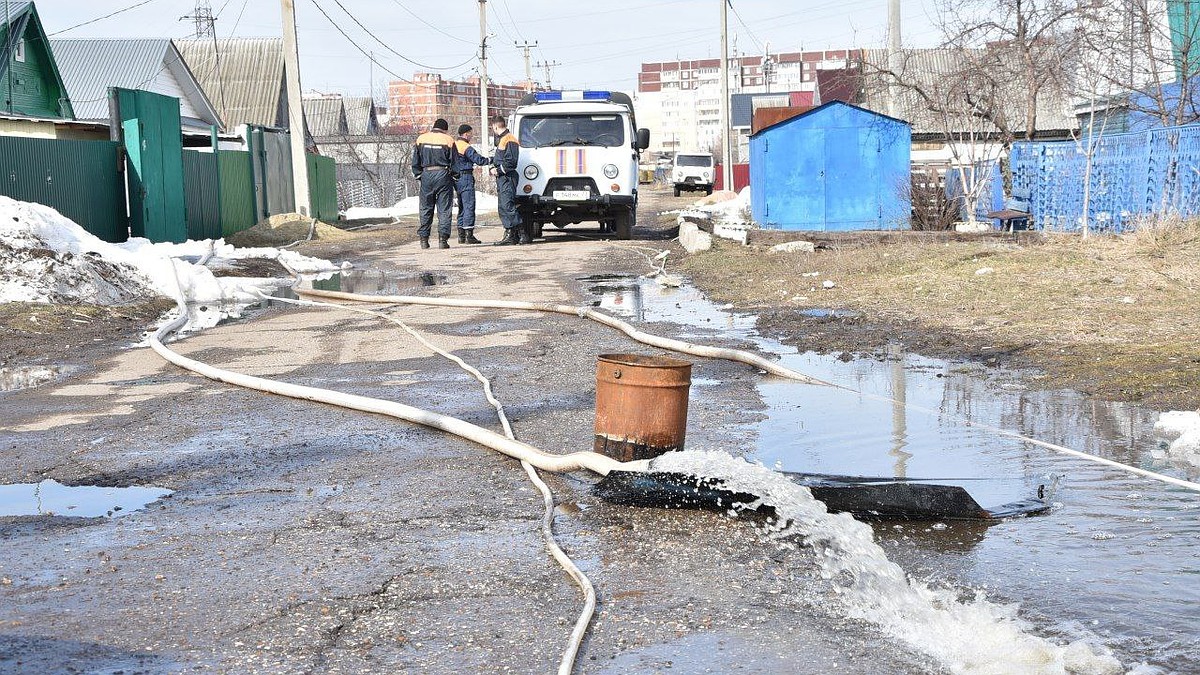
<point>304,538</point>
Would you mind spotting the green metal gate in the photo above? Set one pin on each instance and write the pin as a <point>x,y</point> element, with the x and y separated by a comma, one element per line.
<point>202,193</point>
<point>81,179</point>
<point>154,154</point>
<point>237,191</point>
<point>322,188</point>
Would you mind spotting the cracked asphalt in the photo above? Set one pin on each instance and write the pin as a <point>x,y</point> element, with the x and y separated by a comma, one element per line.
<point>302,538</point>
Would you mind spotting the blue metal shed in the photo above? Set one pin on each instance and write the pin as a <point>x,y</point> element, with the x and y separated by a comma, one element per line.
<point>835,167</point>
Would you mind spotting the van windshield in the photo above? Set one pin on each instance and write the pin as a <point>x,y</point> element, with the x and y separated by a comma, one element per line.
<point>693,160</point>
<point>539,131</point>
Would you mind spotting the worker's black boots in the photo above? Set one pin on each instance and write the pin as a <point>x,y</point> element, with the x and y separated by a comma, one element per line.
<point>467,237</point>
<point>424,242</point>
<point>523,235</point>
<point>510,237</point>
<point>443,242</point>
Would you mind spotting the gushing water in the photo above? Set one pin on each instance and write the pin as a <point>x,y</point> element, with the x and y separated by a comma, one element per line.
<point>965,635</point>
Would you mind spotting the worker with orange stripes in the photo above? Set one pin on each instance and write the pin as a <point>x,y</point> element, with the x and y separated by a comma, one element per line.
<point>504,168</point>
<point>433,158</point>
<point>464,184</point>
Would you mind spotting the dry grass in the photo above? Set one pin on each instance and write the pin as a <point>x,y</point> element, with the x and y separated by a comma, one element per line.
<point>1113,315</point>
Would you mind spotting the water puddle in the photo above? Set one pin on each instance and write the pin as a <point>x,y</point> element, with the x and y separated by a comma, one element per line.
<point>1117,559</point>
<point>818,313</point>
<point>28,377</point>
<point>51,498</point>
<point>376,282</point>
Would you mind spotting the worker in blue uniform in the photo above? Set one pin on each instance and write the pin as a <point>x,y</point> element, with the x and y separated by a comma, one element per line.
<point>464,183</point>
<point>504,168</point>
<point>434,156</point>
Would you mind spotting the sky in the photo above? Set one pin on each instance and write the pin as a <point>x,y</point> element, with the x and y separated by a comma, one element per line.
<point>597,44</point>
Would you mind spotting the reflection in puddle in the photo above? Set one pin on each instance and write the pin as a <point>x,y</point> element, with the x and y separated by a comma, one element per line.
<point>376,282</point>
<point>1118,559</point>
<point>818,313</point>
<point>51,498</point>
<point>28,377</point>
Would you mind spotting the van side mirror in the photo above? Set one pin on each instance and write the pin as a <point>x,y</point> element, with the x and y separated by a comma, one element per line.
<point>643,139</point>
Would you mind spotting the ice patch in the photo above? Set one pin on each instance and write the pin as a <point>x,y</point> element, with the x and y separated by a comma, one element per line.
<point>484,203</point>
<point>729,211</point>
<point>965,636</point>
<point>1180,430</point>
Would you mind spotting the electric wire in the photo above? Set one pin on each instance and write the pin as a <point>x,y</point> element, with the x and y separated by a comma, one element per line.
<point>389,47</point>
<point>100,18</point>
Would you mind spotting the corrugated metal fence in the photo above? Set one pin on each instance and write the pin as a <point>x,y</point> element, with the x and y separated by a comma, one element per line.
<point>82,179</point>
<point>1133,175</point>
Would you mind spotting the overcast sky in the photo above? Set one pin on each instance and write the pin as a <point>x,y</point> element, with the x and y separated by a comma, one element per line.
<point>599,44</point>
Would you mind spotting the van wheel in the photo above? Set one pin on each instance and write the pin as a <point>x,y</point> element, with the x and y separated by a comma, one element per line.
<point>708,191</point>
<point>623,224</point>
<point>676,190</point>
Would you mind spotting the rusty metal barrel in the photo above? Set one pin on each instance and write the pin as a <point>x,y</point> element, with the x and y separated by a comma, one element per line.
<point>641,405</point>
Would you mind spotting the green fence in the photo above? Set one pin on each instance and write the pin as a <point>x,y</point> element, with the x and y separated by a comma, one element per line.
<point>322,187</point>
<point>81,179</point>
<point>237,191</point>
<point>202,194</point>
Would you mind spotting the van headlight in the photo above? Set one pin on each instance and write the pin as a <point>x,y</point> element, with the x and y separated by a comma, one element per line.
<point>532,172</point>
<point>611,171</point>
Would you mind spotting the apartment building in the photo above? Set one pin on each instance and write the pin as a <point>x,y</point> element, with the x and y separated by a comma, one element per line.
<point>414,104</point>
<point>680,101</point>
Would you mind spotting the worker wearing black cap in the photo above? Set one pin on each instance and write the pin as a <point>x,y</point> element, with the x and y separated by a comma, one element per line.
<point>464,183</point>
<point>433,157</point>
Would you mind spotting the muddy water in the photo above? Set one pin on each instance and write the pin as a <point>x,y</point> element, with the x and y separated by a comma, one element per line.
<point>1116,560</point>
<point>51,498</point>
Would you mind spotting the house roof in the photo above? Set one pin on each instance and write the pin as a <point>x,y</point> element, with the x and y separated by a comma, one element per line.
<point>823,106</point>
<point>934,70</point>
<point>243,77</point>
<point>360,115</point>
<point>19,15</point>
<point>90,67</point>
<point>325,116</point>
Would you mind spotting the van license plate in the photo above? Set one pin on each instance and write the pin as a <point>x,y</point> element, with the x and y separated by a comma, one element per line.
<point>571,195</point>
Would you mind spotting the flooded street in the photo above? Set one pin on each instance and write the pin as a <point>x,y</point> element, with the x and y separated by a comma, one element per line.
<point>1116,561</point>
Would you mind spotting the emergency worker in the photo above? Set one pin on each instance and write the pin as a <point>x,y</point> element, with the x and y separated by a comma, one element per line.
<point>464,183</point>
<point>504,168</point>
<point>433,158</point>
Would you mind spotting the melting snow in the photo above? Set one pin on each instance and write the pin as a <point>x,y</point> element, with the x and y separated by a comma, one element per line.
<point>1181,431</point>
<point>484,203</point>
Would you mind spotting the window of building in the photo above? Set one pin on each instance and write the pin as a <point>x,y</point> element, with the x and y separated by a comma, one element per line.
<point>19,53</point>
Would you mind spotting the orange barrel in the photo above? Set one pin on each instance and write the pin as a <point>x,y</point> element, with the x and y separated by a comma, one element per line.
<point>641,405</point>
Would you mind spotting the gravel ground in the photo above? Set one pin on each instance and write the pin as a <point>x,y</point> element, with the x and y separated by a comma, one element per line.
<point>305,538</point>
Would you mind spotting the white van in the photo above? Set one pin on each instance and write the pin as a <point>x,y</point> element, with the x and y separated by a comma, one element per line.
<point>579,160</point>
<point>694,171</point>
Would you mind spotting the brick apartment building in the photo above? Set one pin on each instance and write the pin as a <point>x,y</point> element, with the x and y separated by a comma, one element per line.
<point>415,104</point>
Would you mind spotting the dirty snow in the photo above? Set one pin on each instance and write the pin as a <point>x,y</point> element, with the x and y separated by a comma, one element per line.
<point>47,258</point>
<point>1180,431</point>
<point>964,635</point>
<point>730,210</point>
<point>484,203</point>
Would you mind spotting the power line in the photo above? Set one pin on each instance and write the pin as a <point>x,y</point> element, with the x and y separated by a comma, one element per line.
<point>749,32</point>
<point>357,46</point>
<point>388,47</point>
<point>422,19</point>
<point>101,18</point>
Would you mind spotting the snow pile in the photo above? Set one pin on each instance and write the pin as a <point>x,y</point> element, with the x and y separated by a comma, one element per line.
<point>47,258</point>
<point>484,203</point>
<point>729,210</point>
<point>1180,431</point>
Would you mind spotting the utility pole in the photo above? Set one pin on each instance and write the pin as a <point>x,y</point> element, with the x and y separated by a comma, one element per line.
<point>528,66</point>
<point>768,67</point>
<point>894,58</point>
<point>548,65</point>
<point>291,65</point>
<point>726,145</point>
<point>202,17</point>
<point>483,74</point>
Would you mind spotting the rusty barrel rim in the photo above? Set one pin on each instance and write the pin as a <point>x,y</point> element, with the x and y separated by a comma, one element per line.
<point>645,361</point>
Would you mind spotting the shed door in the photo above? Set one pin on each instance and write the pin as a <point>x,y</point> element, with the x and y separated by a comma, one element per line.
<point>804,197</point>
<point>150,132</point>
<point>851,160</point>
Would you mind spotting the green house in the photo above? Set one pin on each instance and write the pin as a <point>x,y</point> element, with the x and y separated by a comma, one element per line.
<point>30,84</point>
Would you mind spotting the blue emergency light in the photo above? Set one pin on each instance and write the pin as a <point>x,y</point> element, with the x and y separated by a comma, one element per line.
<point>546,96</point>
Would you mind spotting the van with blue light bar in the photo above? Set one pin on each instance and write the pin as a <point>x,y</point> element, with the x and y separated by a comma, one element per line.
<point>579,160</point>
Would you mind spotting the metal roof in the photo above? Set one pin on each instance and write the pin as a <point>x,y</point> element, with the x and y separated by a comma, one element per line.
<point>936,72</point>
<point>15,7</point>
<point>360,115</point>
<point>90,67</point>
<point>325,116</point>
<point>243,77</point>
